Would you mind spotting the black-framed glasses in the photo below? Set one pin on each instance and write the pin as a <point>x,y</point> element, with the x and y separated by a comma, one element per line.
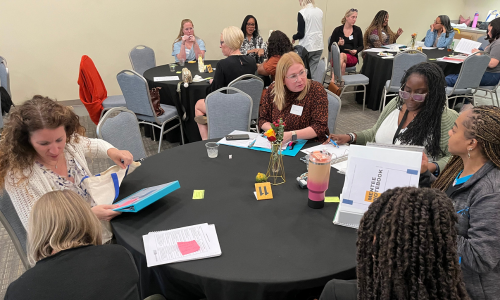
<point>251,24</point>
<point>416,97</point>
<point>353,9</point>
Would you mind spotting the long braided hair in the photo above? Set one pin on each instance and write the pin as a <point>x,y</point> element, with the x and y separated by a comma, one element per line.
<point>378,24</point>
<point>407,247</point>
<point>484,126</point>
<point>425,129</point>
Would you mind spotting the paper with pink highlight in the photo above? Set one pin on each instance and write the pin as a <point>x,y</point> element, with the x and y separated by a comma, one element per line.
<point>188,247</point>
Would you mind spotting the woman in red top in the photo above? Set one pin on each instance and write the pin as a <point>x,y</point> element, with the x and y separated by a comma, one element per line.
<point>300,102</point>
<point>278,44</point>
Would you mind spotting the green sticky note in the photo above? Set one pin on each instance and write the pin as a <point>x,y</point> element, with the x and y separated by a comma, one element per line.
<point>332,199</point>
<point>208,78</point>
<point>178,72</point>
<point>432,59</point>
<point>198,194</point>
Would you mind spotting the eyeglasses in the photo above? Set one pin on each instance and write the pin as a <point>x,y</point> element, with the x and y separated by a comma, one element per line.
<point>437,23</point>
<point>251,24</point>
<point>353,9</point>
<point>295,77</point>
<point>416,97</point>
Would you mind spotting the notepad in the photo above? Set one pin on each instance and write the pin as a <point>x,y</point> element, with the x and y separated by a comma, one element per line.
<point>166,78</point>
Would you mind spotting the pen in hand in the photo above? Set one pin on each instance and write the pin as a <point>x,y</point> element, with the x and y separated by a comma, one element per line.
<point>333,142</point>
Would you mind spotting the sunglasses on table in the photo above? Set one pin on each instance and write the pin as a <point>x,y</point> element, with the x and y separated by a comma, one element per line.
<point>416,97</point>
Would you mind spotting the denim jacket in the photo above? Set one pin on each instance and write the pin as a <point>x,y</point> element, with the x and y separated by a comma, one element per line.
<point>443,41</point>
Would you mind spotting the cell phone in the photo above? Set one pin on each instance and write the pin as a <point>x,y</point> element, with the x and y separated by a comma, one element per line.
<point>234,137</point>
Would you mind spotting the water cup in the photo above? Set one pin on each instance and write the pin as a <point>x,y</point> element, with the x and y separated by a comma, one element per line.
<point>318,177</point>
<point>181,62</point>
<point>172,67</point>
<point>212,149</point>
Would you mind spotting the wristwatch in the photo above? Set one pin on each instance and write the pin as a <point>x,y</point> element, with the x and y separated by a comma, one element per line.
<point>294,136</point>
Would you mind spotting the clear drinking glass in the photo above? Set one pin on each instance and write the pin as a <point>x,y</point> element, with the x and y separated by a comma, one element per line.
<point>212,149</point>
<point>181,62</point>
<point>172,67</point>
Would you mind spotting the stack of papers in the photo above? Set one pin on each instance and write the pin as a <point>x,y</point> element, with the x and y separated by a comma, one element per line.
<point>181,244</point>
<point>453,60</point>
<point>466,46</point>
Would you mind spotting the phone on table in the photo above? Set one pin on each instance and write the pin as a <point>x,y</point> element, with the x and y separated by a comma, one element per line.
<point>234,137</point>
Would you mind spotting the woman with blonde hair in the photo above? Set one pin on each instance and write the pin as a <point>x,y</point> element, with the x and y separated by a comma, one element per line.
<point>43,149</point>
<point>187,46</point>
<point>379,33</point>
<point>300,102</point>
<point>64,245</point>
<point>228,69</point>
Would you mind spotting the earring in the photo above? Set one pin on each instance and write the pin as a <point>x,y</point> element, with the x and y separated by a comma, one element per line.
<point>468,152</point>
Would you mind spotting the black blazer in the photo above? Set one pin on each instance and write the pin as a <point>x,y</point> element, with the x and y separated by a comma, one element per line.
<point>355,44</point>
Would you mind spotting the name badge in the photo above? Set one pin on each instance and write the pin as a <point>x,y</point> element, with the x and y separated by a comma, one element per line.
<point>351,37</point>
<point>296,110</point>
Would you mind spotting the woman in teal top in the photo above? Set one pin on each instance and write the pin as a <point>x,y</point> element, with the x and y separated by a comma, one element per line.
<point>441,33</point>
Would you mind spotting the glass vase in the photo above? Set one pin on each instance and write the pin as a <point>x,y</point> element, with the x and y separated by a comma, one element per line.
<point>276,170</point>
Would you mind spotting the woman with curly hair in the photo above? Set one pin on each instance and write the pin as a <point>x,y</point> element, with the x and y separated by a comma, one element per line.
<point>379,33</point>
<point>472,181</point>
<point>407,250</point>
<point>418,116</point>
<point>279,44</point>
<point>43,149</point>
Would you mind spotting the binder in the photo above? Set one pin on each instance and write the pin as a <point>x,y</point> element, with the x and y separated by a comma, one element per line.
<point>145,197</point>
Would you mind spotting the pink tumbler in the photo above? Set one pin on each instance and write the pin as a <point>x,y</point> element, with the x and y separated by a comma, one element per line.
<point>474,23</point>
<point>318,177</point>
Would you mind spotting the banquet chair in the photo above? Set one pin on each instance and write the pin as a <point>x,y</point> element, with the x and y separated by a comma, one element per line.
<point>470,76</point>
<point>15,229</point>
<point>119,127</point>
<point>320,73</point>
<point>489,90</point>
<point>484,42</point>
<point>334,105</point>
<point>227,112</point>
<point>142,58</point>
<point>135,89</point>
<point>402,62</point>
<point>253,86</point>
<point>348,70</point>
<point>349,80</point>
<point>4,75</point>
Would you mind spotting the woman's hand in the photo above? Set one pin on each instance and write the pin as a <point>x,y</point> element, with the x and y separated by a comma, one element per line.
<point>211,80</point>
<point>341,139</point>
<point>341,42</point>
<point>424,166</point>
<point>105,212</point>
<point>400,32</point>
<point>287,137</point>
<point>122,158</point>
<point>260,52</point>
<point>185,38</point>
<point>353,52</point>
<point>475,50</point>
<point>432,27</point>
<point>192,39</point>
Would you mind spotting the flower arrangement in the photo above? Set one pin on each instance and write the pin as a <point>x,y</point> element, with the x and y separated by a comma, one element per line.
<point>413,40</point>
<point>275,134</point>
<point>276,171</point>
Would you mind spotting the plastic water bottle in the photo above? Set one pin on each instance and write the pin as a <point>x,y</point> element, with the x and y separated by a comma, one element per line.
<point>474,23</point>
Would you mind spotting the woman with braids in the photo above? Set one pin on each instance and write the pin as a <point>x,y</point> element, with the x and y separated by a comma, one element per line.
<point>406,250</point>
<point>418,116</point>
<point>472,181</point>
<point>43,149</point>
<point>279,44</point>
<point>379,33</point>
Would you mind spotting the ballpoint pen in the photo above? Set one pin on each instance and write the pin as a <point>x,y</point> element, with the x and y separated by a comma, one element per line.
<point>253,142</point>
<point>332,141</point>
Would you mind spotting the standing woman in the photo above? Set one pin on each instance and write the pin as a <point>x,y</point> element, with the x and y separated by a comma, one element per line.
<point>379,33</point>
<point>349,38</point>
<point>310,31</point>
<point>253,44</point>
<point>187,46</point>
<point>441,33</point>
<point>471,179</point>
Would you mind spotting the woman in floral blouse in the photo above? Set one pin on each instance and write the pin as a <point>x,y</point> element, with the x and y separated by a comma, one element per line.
<point>253,44</point>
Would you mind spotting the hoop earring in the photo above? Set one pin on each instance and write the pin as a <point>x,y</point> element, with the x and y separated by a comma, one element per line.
<point>468,153</point>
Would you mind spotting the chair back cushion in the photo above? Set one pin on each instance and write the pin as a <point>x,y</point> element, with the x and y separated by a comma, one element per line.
<point>253,87</point>
<point>336,61</point>
<point>320,73</point>
<point>334,104</point>
<point>402,62</point>
<point>136,92</point>
<point>142,58</point>
<point>12,218</point>
<point>472,71</point>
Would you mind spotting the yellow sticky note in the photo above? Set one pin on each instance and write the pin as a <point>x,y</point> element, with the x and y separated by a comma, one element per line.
<point>191,62</point>
<point>332,199</point>
<point>432,59</point>
<point>264,191</point>
<point>198,194</point>
<point>178,72</point>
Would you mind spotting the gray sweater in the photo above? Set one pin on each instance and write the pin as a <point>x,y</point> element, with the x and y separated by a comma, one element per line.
<point>477,203</point>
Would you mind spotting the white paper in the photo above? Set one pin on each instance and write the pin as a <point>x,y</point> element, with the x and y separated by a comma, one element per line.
<point>428,48</point>
<point>466,46</point>
<point>387,57</point>
<point>166,78</point>
<point>161,246</point>
<point>341,166</point>
<point>339,152</point>
<point>262,142</point>
<point>392,45</point>
<point>296,110</point>
<point>377,50</point>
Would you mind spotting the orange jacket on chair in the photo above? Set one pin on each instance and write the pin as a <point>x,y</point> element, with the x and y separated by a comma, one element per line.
<point>92,89</point>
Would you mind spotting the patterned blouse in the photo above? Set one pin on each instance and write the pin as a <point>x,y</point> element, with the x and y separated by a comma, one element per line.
<point>314,112</point>
<point>254,43</point>
<point>374,39</point>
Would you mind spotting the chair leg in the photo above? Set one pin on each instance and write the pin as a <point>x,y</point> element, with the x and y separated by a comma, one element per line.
<point>496,96</point>
<point>154,135</point>
<point>161,137</point>
<point>382,101</point>
<point>364,96</point>
<point>492,100</point>
<point>182,132</point>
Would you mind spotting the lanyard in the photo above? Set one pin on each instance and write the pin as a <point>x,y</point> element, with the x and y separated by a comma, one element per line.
<point>461,180</point>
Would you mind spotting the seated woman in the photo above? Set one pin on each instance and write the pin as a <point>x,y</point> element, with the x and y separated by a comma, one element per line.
<point>253,44</point>
<point>279,44</point>
<point>379,33</point>
<point>43,149</point>
<point>492,75</point>
<point>418,116</point>
<point>187,46</point>
<point>228,69</point>
<point>64,240</point>
<point>471,179</point>
<point>349,38</point>
<point>406,250</point>
<point>441,33</point>
<point>300,102</point>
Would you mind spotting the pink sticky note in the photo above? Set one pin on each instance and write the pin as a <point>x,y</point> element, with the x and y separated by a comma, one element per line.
<point>188,247</point>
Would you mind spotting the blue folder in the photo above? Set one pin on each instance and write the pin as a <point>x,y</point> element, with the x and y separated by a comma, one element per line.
<point>287,151</point>
<point>145,197</point>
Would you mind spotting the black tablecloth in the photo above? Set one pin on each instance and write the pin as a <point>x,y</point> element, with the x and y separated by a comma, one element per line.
<point>380,70</point>
<point>190,95</point>
<point>271,249</point>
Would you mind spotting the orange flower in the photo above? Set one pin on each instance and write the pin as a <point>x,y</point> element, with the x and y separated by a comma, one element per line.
<point>270,133</point>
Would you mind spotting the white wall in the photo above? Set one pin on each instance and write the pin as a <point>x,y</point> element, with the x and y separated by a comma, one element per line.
<point>480,6</point>
<point>43,41</point>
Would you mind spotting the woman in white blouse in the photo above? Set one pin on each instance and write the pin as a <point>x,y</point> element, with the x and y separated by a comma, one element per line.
<point>43,149</point>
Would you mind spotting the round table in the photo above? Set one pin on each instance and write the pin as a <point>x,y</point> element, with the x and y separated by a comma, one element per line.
<point>271,249</point>
<point>190,95</point>
<point>380,70</point>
